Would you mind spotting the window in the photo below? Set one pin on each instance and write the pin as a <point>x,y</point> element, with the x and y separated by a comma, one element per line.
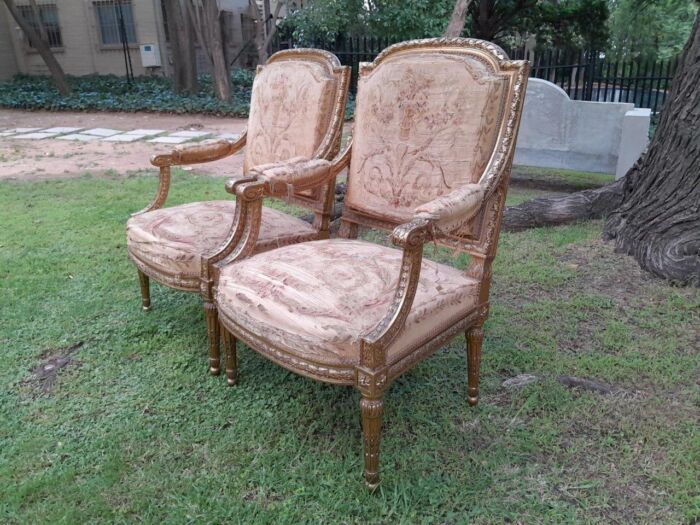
<point>110,16</point>
<point>48,18</point>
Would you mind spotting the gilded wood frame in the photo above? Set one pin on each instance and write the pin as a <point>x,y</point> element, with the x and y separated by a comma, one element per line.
<point>374,373</point>
<point>320,201</point>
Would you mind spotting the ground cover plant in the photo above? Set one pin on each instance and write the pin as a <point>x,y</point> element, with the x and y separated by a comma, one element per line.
<point>107,414</point>
<point>112,93</point>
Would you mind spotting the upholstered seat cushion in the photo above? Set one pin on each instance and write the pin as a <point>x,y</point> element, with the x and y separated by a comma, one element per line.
<point>172,240</point>
<point>317,299</point>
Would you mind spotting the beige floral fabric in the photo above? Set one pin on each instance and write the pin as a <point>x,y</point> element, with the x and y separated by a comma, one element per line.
<point>317,299</point>
<point>425,125</point>
<point>290,110</point>
<point>173,240</point>
<point>295,174</point>
<point>453,210</point>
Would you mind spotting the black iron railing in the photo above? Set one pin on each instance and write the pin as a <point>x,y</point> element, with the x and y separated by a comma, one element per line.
<point>582,75</point>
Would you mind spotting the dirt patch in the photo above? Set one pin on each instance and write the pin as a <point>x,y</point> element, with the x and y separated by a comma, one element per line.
<point>44,376</point>
<point>51,159</point>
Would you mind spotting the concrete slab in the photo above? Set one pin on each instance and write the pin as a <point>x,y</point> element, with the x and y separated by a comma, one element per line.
<point>6,133</point>
<point>25,130</point>
<point>101,132</point>
<point>79,137</point>
<point>170,140</point>
<point>190,134</point>
<point>35,136</point>
<point>228,136</point>
<point>145,132</point>
<point>61,130</point>
<point>124,137</point>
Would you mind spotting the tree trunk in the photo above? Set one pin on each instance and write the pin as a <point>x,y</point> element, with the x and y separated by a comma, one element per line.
<point>180,31</point>
<point>41,45</point>
<point>262,41</point>
<point>654,211</point>
<point>220,71</point>
<point>658,222</point>
<point>458,18</point>
<point>553,211</point>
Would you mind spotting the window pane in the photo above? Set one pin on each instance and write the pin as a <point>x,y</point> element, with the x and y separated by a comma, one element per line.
<point>48,16</point>
<point>108,18</point>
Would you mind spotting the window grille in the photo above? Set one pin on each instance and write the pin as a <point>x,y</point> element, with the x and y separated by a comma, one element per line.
<point>48,18</point>
<point>108,21</point>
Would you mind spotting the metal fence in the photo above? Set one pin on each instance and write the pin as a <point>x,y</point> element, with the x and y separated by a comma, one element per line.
<point>583,75</point>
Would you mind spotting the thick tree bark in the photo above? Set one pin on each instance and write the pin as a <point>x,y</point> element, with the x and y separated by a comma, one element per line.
<point>658,222</point>
<point>262,40</point>
<point>553,211</point>
<point>458,18</point>
<point>41,45</point>
<point>206,21</point>
<point>654,211</point>
<point>180,34</point>
<point>220,71</point>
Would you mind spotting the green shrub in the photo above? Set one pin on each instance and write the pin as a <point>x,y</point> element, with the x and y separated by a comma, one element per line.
<point>112,93</point>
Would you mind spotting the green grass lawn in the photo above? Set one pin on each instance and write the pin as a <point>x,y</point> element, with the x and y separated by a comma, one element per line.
<point>134,430</point>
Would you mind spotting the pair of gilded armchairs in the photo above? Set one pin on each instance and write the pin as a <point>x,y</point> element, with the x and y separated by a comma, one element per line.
<point>433,141</point>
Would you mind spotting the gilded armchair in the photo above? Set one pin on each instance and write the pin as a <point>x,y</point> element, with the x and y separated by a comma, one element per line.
<point>435,129</point>
<point>297,108</point>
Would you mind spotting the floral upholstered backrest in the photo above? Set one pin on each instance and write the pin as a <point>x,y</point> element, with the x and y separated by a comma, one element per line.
<point>427,120</point>
<point>292,106</point>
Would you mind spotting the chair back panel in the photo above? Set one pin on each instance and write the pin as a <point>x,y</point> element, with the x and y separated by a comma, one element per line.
<point>292,106</point>
<point>427,120</point>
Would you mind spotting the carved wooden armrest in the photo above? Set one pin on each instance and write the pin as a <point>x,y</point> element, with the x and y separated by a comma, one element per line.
<point>451,211</point>
<point>200,153</point>
<point>197,154</point>
<point>299,173</point>
<point>295,174</point>
<point>411,237</point>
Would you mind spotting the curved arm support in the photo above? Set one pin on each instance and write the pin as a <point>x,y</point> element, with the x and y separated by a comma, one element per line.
<point>342,161</point>
<point>451,211</point>
<point>161,192</point>
<point>200,153</point>
<point>299,173</point>
<point>243,235</point>
<point>411,237</point>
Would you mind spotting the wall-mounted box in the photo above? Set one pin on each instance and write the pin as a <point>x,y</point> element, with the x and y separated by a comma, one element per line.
<point>150,55</point>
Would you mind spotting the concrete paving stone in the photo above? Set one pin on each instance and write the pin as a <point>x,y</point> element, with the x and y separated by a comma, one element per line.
<point>79,137</point>
<point>25,130</point>
<point>62,130</point>
<point>190,134</point>
<point>229,136</point>
<point>145,132</point>
<point>124,137</point>
<point>34,136</point>
<point>170,140</point>
<point>101,132</point>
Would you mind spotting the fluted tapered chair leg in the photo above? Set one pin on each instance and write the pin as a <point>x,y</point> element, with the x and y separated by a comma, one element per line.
<point>212,318</point>
<point>229,343</point>
<point>475,338</point>
<point>372,410</point>
<point>144,282</point>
